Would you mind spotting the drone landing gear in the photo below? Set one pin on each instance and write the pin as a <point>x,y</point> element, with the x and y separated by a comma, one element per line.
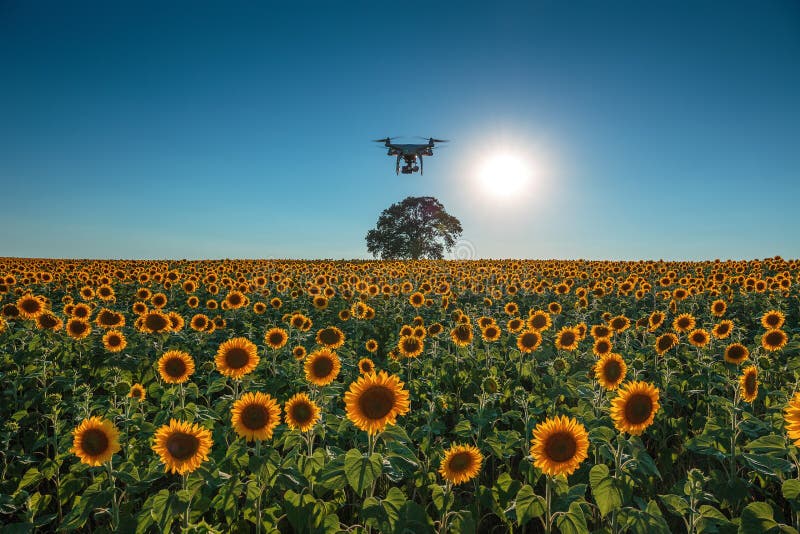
<point>408,169</point>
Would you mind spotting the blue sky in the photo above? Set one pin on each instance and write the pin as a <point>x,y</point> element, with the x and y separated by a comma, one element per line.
<point>242,129</point>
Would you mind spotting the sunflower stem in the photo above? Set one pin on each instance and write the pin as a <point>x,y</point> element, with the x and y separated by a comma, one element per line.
<point>258,499</point>
<point>114,502</point>
<point>188,504</point>
<point>548,524</point>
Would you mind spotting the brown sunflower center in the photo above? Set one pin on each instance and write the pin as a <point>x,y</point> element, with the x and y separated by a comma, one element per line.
<point>538,321</point>
<point>612,370</point>
<point>460,462</point>
<point>234,299</point>
<point>603,346</point>
<point>561,447</point>
<point>301,413</point>
<point>255,416</point>
<point>699,337</point>
<point>736,352</point>
<point>617,323</point>
<point>276,338</point>
<point>48,320</point>
<point>236,357</point>
<point>463,333</point>
<point>664,342</point>
<point>366,367</point>
<point>322,366</point>
<point>31,305</point>
<point>156,322</point>
<point>491,332</point>
<point>136,393</point>
<point>772,320</point>
<point>529,340</point>
<point>638,408</point>
<point>376,402</point>
<point>774,339</point>
<point>94,441</point>
<point>114,340</point>
<point>684,322</point>
<point>411,344</point>
<point>568,338</point>
<point>723,328</point>
<point>182,445</point>
<point>175,367</point>
<point>77,327</point>
<point>750,383</point>
<point>329,336</point>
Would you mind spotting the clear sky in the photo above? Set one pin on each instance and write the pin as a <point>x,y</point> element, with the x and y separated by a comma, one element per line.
<point>242,129</point>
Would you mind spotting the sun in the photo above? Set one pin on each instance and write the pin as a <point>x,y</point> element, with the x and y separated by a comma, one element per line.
<point>505,174</point>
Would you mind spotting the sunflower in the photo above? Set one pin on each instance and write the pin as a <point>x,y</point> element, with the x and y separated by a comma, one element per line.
<point>771,320</point>
<point>30,306</point>
<point>322,367</point>
<point>722,329</point>
<point>275,338</point>
<point>48,321</point>
<point>199,322</point>
<point>159,300</point>
<point>655,320</point>
<point>600,330</point>
<point>299,353</point>
<point>683,323</point>
<point>78,328</point>
<point>791,418</point>
<point>114,341</point>
<point>95,441</point>
<point>461,335</point>
<point>620,323</point>
<point>528,341</point>
<point>416,299</point>
<point>554,308</point>
<point>176,321</point>
<point>109,319</point>
<point>366,366</point>
<point>236,300</point>
<point>154,322</point>
<point>236,357</point>
<point>748,384</point>
<point>331,337</point>
<point>175,366</point>
<point>567,339</point>
<point>491,333</point>
<point>699,338</point>
<point>371,345</point>
<point>610,370</point>
<point>375,400</point>
<point>602,346</point>
<point>665,342</point>
<point>718,308</point>
<point>137,392</point>
<point>461,463</point>
<point>301,412</point>
<point>182,446</point>
<point>773,340</point>
<point>559,445</point>
<point>539,320</point>
<point>635,407</point>
<point>410,346</point>
<point>515,325</point>
<point>255,415</point>
<point>736,353</point>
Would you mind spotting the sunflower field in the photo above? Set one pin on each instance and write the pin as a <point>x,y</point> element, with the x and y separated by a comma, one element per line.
<point>380,396</point>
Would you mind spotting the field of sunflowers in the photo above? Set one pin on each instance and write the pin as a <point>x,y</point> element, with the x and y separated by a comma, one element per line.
<point>379,396</point>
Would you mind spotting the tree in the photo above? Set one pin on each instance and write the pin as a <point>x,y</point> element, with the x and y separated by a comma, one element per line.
<point>417,227</point>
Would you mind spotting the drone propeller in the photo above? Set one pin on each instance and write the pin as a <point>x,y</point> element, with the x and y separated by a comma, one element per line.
<point>385,139</point>
<point>433,139</point>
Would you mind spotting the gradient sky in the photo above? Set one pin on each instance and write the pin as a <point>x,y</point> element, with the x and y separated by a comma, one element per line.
<point>242,129</point>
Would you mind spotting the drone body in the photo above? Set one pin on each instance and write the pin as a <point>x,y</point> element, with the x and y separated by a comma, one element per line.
<point>409,153</point>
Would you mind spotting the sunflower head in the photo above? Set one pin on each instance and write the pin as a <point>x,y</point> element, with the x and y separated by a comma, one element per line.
<point>665,342</point>
<point>559,445</point>
<point>748,384</point>
<point>567,339</point>
<point>410,346</point>
<point>773,340</point>
<point>635,407</point>
<point>375,400</point>
<point>301,412</point>
<point>182,446</point>
<point>95,441</point>
<point>529,340</point>
<point>770,320</point>
<point>175,366</point>
<point>78,328</point>
<point>699,337</point>
<point>791,418</point>
<point>461,463</point>
<point>366,366</point>
<point>276,338</point>
<point>610,370</point>
<point>331,337</point>
<point>30,306</point>
<point>137,392</point>
<point>255,415</point>
<point>322,367</point>
<point>236,357</point>
<point>114,341</point>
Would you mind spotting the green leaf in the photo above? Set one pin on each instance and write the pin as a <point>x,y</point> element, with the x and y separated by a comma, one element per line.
<point>31,476</point>
<point>606,490</point>
<point>757,518</point>
<point>769,466</point>
<point>529,505</point>
<point>772,444</point>
<point>675,504</point>
<point>298,509</point>
<point>331,476</point>
<point>573,521</point>
<point>791,489</point>
<point>412,519</point>
<point>361,471</point>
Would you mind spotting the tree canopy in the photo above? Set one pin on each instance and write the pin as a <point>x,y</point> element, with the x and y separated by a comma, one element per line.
<point>417,227</point>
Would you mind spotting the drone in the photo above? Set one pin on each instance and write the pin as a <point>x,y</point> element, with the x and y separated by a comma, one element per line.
<point>409,153</point>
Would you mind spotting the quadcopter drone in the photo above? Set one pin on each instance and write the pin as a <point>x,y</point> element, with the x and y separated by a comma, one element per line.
<point>409,153</point>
